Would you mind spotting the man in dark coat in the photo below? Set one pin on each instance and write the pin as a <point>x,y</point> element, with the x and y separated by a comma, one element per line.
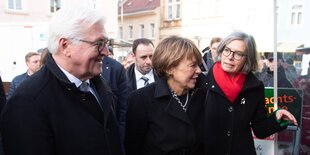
<point>65,108</point>
<point>141,72</point>
<point>114,74</point>
<point>267,76</point>
<point>32,60</point>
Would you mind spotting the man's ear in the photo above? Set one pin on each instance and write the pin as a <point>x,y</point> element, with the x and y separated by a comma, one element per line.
<point>64,47</point>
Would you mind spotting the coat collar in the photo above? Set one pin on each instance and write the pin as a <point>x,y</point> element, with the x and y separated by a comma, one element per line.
<point>173,108</point>
<point>162,88</point>
<point>103,90</point>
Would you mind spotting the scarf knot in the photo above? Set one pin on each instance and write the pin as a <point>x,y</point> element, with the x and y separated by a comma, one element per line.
<point>231,86</point>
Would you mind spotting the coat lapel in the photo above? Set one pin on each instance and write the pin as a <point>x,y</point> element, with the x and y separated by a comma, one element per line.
<point>173,108</point>
<point>176,111</point>
<point>106,97</point>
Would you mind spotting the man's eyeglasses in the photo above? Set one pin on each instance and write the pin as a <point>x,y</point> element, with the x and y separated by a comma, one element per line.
<point>236,54</point>
<point>100,44</point>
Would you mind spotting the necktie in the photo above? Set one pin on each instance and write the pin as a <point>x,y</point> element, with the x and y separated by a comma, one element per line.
<point>146,80</point>
<point>84,87</point>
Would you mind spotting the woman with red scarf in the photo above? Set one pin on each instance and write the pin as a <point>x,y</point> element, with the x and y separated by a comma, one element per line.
<point>235,102</point>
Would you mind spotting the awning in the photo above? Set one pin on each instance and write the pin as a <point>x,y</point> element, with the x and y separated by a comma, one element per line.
<point>288,46</point>
<point>121,43</point>
<point>304,48</point>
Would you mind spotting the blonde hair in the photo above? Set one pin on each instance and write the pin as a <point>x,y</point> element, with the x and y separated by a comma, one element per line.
<point>170,51</point>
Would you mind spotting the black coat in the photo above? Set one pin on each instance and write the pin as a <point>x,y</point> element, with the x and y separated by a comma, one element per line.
<point>2,95</point>
<point>157,125</point>
<point>49,115</point>
<point>228,125</point>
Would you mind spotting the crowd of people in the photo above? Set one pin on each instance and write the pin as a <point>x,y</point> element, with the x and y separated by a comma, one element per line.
<point>75,99</point>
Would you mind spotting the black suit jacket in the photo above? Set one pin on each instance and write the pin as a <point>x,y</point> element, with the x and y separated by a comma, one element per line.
<point>157,125</point>
<point>131,77</point>
<point>49,115</point>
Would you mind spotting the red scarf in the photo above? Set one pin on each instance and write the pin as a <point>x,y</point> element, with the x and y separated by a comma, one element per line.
<point>230,86</point>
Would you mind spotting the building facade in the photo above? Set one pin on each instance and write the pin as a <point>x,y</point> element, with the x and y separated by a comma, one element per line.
<point>24,27</point>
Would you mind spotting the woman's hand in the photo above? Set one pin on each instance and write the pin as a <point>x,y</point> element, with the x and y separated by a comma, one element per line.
<point>282,114</point>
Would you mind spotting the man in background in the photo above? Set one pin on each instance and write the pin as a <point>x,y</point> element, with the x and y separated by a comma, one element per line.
<point>114,74</point>
<point>32,60</point>
<point>210,54</point>
<point>140,73</point>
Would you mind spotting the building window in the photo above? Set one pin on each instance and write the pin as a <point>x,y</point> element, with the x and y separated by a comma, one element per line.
<point>15,4</point>
<point>92,3</point>
<point>54,5</point>
<point>177,7</point>
<point>173,9</point>
<point>141,30</point>
<point>120,32</point>
<point>152,30</point>
<point>130,33</point>
<point>296,15</point>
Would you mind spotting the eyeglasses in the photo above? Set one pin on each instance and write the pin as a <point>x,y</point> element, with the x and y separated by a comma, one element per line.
<point>100,44</point>
<point>236,54</point>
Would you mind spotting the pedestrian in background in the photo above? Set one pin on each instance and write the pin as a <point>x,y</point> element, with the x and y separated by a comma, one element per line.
<point>141,72</point>
<point>210,55</point>
<point>114,74</point>
<point>65,108</point>
<point>235,102</point>
<point>166,117</point>
<point>32,60</point>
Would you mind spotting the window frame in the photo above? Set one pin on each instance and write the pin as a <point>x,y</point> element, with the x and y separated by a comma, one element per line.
<point>152,30</point>
<point>120,32</point>
<point>142,29</point>
<point>296,15</point>
<point>173,10</point>
<point>22,8</point>
<point>54,5</point>
<point>130,32</point>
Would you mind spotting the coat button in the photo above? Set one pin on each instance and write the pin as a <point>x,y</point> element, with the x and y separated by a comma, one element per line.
<point>213,86</point>
<point>228,133</point>
<point>230,108</point>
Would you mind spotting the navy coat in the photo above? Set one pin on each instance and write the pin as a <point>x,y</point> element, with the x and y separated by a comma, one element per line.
<point>114,74</point>
<point>228,125</point>
<point>17,80</point>
<point>49,115</point>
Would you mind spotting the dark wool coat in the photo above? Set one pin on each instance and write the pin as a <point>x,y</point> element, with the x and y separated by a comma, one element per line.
<point>49,115</point>
<point>2,95</point>
<point>228,125</point>
<point>157,125</point>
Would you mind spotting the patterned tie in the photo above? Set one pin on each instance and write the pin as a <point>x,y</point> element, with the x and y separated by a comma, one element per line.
<point>84,87</point>
<point>146,80</point>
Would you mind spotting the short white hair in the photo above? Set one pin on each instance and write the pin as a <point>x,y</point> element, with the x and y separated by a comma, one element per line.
<point>66,23</point>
